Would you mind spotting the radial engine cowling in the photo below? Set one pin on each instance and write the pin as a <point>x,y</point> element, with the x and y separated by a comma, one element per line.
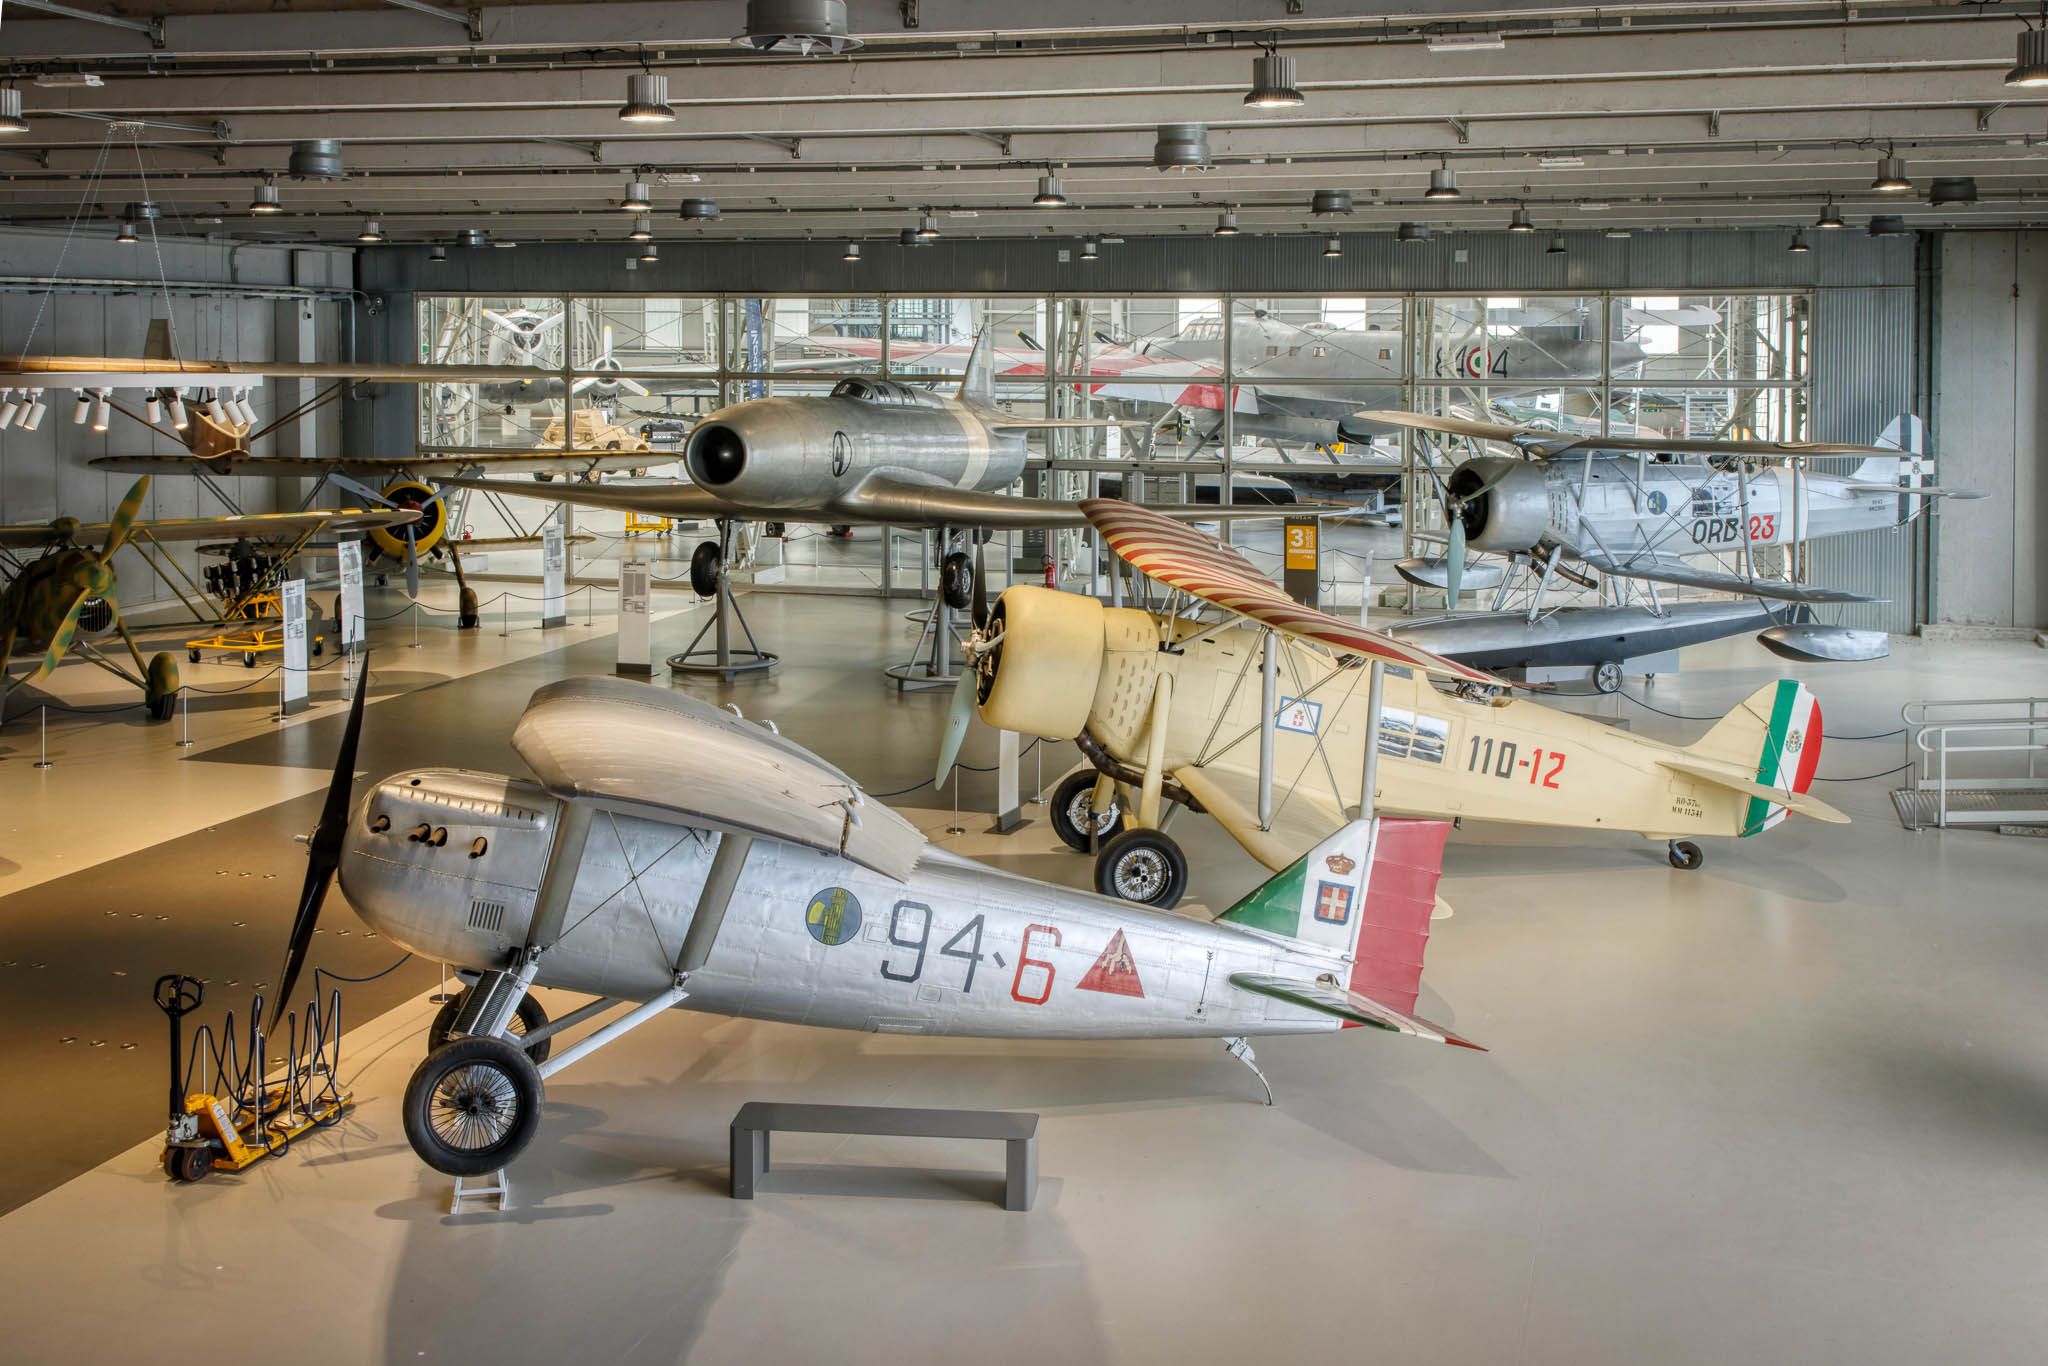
<point>1041,676</point>
<point>1504,503</point>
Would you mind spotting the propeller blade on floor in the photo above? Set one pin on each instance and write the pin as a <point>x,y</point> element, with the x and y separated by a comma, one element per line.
<point>323,850</point>
<point>957,716</point>
<point>124,518</point>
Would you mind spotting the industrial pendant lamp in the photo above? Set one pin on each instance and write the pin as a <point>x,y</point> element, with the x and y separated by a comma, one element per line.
<point>636,200</point>
<point>126,237</point>
<point>1830,217</point>
<point>1556,247</point>
<point>373,231</point>
<point>265,199</point>
<point>647,99</point>
<point>1891,174</point>
<point>1226,225</point>
<point>1333,247</point>
<point>1443,182</point>
<point>2030,61</point>
<point>1088,252</point>
<point>650,252</point>
<point>1273,82</point>
<point>643,229</point>
<point>928,228</point>
<point>1520,222</point>
<point>1412,234</point>
<point>1051,194</point>
<point>11,120</point>
<point>1799,241</point>
<point>698,208</point>
<point>852,252</point>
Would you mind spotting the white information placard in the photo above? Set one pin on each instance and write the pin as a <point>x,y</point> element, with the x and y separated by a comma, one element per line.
<point>291,597</point>
<point>554,570</point>
<point>636,601</point>
<point>351,553</point>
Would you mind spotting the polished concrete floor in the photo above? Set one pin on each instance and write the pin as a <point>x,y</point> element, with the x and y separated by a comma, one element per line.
<point>1792,1107</point>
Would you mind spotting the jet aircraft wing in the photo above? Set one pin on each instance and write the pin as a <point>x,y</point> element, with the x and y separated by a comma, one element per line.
<point>1669,569</point>
<point>262,526</point>
<point>1184,558</point>
<point>1546,444</point>
<point>653,498</point>
<point>508,462</point>
<point>671,757</point>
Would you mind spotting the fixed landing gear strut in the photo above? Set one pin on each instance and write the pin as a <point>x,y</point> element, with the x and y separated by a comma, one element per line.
<point>722,659</point>
<point>1684,855</point>
<point>935,666</point>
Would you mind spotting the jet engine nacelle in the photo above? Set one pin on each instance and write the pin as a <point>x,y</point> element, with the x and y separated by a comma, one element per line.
<point>766,453</point>
<point>1506,503</point>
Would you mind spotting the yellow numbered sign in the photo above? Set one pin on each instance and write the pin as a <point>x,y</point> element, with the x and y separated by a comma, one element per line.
<point>1301,546</point>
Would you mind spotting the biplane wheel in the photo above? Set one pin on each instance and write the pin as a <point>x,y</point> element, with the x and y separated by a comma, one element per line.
<point>248,659</point>
<point>704,565</point>
<point>956,580</point>
<point>1071,814</point>
<point>192,655</point>
<point>187,1165</point>
<point>472,1106</point>
<point>1607,676</point>
<point>1685,855</point>
<point>530,1016</point>
<point>1142,866</point>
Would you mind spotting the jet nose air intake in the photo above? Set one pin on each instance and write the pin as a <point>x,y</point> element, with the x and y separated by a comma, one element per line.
<point>716,455</point>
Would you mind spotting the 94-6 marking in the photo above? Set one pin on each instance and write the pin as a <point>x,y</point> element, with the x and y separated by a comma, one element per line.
<point>1503,759</point>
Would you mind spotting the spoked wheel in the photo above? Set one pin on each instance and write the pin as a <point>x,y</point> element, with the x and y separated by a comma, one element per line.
<point>1607,676</point>
<point>530,1016</point>
<point>1142,866</point>
<point>472,1106</point>
<point>1072,816</point>
<point>1685,855</point>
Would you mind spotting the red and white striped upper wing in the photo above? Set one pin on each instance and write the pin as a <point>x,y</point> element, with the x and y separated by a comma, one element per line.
<point>1181,557</point>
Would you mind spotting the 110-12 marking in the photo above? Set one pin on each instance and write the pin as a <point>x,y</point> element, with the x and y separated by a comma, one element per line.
<point>1500,761</point>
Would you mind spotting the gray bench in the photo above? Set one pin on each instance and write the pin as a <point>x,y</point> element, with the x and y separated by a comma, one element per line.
<point>1018,1133</point>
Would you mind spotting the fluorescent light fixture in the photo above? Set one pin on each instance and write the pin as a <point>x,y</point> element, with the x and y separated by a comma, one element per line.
<point>1561,161</point>
<point>852,252</point>
<point>1467,42</point>
<point>180,419</point>
<point>1051,194</point>
<point>1443,183</point>
<point>1595,206</point>
<point>2030,61</point>
<point>636,200</point>
<point>61,80</point>
<point>1891,175</point>
<point>82,409</point>
<point>1273,84</point>
<point>1519,222</point>
<point>503,244</point>
<point>1618,232</point>
<point>1332,247</point>
<point>643,229</point>
<point>373,231</point>
<point>265,199</point>
<point>1226,225</point>
<point>647,99</point>
<point>11,120</point>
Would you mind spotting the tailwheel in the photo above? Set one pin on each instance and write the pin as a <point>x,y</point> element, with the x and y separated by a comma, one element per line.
<point>705,562</point>
<point>1073,815</point>
<point>472,1106</point>
<point>530,1016</point>
<point>1607,676</point>
<point>1142,866</point>
<point>187,1164</point>
<point>1685,855</point>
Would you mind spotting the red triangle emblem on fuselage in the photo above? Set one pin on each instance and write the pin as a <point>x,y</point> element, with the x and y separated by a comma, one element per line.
<point>1115,972</point>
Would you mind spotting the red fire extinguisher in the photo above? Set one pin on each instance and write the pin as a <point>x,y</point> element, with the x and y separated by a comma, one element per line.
<point>1052,572</point>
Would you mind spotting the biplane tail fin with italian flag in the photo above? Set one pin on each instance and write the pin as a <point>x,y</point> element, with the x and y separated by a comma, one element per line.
<point>1364,896</point>
<point>1768,749</point>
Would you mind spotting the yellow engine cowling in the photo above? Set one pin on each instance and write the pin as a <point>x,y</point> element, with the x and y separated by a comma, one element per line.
<point>1044,670</point>
<point>426,533</point>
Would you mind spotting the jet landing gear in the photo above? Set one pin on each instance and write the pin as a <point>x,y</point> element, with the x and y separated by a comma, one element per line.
<point>932,663</point>
<point>1684,855</point>
<point>723,659</point>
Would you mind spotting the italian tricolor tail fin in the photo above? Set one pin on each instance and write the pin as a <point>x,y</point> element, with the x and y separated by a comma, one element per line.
<point>1774,740</point>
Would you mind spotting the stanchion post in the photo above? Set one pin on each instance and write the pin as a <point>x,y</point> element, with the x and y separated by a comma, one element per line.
<point>185,697</point>
<point>415,625</point>
<point>44,760</point>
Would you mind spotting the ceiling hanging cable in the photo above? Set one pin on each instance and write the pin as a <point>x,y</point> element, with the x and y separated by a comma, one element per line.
<point>92,181</point>
<point>156,243</point>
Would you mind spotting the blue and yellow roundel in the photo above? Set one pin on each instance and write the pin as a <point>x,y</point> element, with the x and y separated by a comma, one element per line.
<point>833,917</point>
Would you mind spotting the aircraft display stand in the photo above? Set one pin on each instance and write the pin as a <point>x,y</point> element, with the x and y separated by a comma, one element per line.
<point>933,662</point>
<point>492,1186</point>
<point>1017,1131</point>
<point>722,659</point>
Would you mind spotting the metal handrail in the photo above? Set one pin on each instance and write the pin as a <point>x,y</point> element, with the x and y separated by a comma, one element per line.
<point>1935,740</point>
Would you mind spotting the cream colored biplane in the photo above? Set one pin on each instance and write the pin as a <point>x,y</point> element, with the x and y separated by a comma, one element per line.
<point>1258,719</point>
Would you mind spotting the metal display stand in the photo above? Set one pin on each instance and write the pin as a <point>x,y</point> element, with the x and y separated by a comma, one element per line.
<point>491,1187</point>
<point>932,666</point>
<point>1017,1131</point>
<point>722,659</point>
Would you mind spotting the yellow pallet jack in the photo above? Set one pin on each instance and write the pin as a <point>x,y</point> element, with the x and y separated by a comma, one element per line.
<point>202,1135</point>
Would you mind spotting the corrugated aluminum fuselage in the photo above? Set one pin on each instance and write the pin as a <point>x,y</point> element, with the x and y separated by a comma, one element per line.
<point>958,948</point>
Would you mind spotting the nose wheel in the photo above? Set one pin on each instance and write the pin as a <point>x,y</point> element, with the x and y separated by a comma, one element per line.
<point>472,1107</point>
<point>724,659</point>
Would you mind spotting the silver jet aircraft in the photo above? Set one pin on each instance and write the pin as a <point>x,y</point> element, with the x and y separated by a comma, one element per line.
<point>672,854</point>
